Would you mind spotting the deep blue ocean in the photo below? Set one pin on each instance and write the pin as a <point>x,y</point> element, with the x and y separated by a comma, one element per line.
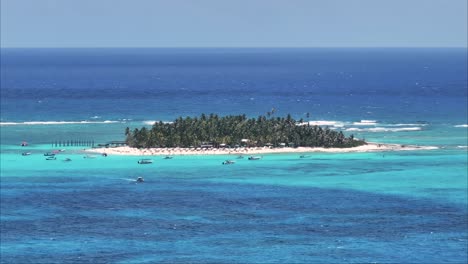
<point>393,207</point>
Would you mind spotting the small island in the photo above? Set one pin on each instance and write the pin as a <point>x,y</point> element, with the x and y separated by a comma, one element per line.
<point>239,135</point>
<point>212,131</point>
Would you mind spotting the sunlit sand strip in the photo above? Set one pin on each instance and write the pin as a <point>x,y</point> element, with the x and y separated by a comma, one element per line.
<point>370,147</point>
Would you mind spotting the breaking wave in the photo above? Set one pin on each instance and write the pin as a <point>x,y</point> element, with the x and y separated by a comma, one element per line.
<point>32,123</point>
<point>366,126</point>
<point>400,125</point>
<point>365,123</point>
<point>151,122</point>
<point>361,126</point>
<point>324,123</point>
<point>383,129</point>
<point>465,125</point>
<point>122,121</point>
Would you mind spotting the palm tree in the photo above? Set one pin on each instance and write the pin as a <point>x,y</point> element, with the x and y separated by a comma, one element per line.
<point>231,129</point>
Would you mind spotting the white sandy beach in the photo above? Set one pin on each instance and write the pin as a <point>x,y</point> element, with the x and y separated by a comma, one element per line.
<point>370,147</point>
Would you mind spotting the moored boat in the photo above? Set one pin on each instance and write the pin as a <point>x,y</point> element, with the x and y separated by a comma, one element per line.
<point>51,158</point>
<point>145,161</point>
<point>228,162</point>
<point>168,157</point>
<point>26,153</point>
<point>49,154</point>
<point>254,157</point>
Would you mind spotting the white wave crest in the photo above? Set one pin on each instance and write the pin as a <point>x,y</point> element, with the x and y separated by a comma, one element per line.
<point>383,129</point>
<point>149,122</point>
<point>32,123</point>
<point>464,125</point>
<point>428,147</point>
<point>355,129</point>
<point>399,125</point>
<point>324,123</point>
<point>365,123</point>
<point>462,146</point>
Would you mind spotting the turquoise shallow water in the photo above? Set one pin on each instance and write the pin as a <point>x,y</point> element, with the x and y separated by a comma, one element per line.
<point>352,207</point>
<point>435,174</point>
<point>387,207</point>
<point>404,207</point>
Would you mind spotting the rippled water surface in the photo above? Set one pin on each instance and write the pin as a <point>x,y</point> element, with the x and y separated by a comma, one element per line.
<point>394,207</point>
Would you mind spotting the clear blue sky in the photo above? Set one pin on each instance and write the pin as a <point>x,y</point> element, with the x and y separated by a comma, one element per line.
<point>233,23</point>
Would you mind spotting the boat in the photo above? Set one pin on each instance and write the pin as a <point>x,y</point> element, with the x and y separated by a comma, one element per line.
<point>304,156</point>
<point>145,161</point>
<point>26,153</point>
<point>51,158</point>
<point>168,157</point>
<point>140,179</point>
<point>49,154</point>
<point>61,150</point>
<point>89,156</point>
<point>67,159</point>
<point>240,157</point>
<point>228,162</point>
<point>254,157</point>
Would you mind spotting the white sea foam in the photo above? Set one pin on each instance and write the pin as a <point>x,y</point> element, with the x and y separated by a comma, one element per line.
<point>325,123</point>
<point>383,129</point>
<point>7,123</point>
<point>465,125</point>
<point>373,125</point>
<point>462,146</point>
<point>149,122</point>
<point>32,123</point>
<point>398,125</point>
<point>365,123</point>
<point>354,129</point>
<point>428,147</point>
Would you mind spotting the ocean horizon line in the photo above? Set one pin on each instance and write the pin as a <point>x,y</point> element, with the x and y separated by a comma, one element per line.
<point>244,48</point>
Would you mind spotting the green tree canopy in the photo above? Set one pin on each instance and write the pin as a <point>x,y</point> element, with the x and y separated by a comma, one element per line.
<point>237,130</point>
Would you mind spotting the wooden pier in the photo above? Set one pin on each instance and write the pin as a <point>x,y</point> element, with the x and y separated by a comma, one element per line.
<point>73,143</point>
<point>86,143</point>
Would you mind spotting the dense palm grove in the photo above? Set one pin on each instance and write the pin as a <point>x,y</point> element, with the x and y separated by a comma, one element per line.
<point>237,130</point>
